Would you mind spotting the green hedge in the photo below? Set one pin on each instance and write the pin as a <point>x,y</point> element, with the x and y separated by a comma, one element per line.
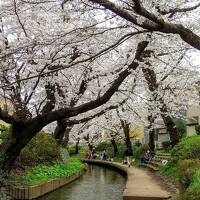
<point>187,148</point>
<point>166,145</point>
<point>83,153</point>
<point>43,173</point>
<point>170,170</point>
<point>43,148</point>
<point>186,170</point>
<point>138,152</point>
<point>103,145</point>
<point>193,191</point>
<point>72,150</point>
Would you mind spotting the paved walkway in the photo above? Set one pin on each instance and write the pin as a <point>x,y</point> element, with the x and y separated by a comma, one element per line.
<point>140,185</point>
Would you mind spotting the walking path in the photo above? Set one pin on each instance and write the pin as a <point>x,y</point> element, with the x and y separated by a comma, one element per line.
<point>140,184</point>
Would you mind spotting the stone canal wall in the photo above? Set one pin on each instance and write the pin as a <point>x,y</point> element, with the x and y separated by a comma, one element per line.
<point>4,194</point>
<point>31,192</point>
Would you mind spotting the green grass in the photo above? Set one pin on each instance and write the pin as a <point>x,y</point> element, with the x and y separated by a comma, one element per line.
<point>170,170</point>
<point>196,179</point>
<point>43,173</point>
<point>193,191</point>
<point>82,154</point>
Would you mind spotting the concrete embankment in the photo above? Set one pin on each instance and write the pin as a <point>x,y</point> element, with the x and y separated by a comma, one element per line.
<point>35,191</point>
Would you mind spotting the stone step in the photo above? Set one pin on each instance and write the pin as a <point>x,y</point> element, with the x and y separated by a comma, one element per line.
<point>152,167</point>
<point>156,164</point>
<point>163,158</point>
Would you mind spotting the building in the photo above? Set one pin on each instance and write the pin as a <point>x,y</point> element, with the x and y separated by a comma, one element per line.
<point>193,120</point>
<point>161,134</point>
<point>193,112</point>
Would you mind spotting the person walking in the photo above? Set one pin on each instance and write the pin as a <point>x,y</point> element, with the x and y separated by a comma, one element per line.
<point>128,154</point>
<point>104,154</point>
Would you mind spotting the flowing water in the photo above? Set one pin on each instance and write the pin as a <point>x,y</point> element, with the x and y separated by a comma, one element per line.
<point>97,184</point>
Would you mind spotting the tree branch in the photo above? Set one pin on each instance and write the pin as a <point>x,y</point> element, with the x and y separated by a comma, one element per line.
<point>74,111</point>
<point>152,22</point>
<point>6,117</point>
<point>69,122</point>
<point>178,10</point>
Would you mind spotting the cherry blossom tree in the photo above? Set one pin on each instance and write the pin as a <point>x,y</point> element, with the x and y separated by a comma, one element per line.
<point>68,62</point>
<point>168,17</point>
<point>46,58</point>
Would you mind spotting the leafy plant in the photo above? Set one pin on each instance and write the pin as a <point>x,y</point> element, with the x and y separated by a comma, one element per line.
<point>197,128</point>
<point>187,148</point>
<point>42,148</point>
<point>83,153</point>
<point>102,145</point>
<point>4,132</point>
<point>186,170</point>
<point>193,191</point>
<point>170,170</point>
<point>181,127</point>
<point>139,151</point>
<point>43,173</point>
<point>166,145</point>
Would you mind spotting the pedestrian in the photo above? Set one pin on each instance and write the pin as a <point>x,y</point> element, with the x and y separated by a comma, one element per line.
<point>104,154</point>
<point>146,157</point>
<point>128,154</point>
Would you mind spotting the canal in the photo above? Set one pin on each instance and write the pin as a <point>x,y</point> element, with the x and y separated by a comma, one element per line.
<point>97,184</point>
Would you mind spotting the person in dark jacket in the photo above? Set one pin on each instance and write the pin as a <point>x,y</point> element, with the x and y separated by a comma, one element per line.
<point>104,154</point>
<point>128,154</point>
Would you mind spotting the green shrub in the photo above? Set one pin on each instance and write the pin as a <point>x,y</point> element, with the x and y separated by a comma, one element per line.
<point>181,127</point>
<point>43,173</point>
<point>4,132</point>
<point>138,152</point>
<point>187,148</point>
<point>110,151</point>
<point>166,145</point>
<point>102,145</point>
<point>138,143</point>
<point>120,153</point>
<point>72,150</point>
<point>186,170</point>
<point>83,153</point>
<point>196,179</point>
<point>197,128</point>
<point>193,191</point>
<point>170,170</point>
<point>42,148</point>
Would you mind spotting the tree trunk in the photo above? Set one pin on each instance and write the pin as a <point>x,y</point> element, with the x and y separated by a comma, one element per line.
<point>20,136</point>
<point>90,146</point>
<point>66,135</point>
<point>170,125</point>
<point>151,131</point>
<point>152,140</point>
<point>126,130</point>
<point>61,133</point>
<point>171,129</point>
<point>77,147</point>
<point>115,148</point>
<point>150,77</point>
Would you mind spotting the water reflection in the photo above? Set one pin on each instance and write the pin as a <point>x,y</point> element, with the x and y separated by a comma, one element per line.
<point>97,184</point>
